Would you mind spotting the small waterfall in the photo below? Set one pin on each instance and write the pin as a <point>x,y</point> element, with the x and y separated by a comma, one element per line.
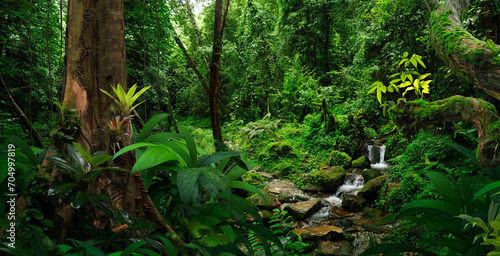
<point>376,154</point>
<point>352,184</point>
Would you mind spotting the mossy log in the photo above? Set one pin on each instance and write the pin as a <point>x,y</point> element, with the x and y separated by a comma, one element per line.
<point>466,55</point>
<point>418,114</point>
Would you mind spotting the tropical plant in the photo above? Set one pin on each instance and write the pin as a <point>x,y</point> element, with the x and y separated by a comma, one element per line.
<point>195,190</point>
<point>125,100</point>
<point>82,169</point>
<point>405,79</point>
<point>68,126</point>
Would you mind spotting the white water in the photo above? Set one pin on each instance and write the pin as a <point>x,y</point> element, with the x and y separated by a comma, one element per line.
<point>371,155</point>
<point>350,186</point>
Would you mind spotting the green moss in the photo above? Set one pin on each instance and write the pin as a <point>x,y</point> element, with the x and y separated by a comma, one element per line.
<point>340,159</point>
<point>328,179</point>
<point>360,162</point>
<point>282,148</point>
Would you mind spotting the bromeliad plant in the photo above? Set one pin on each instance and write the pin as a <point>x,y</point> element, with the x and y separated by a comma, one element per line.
<point>193,190</point>
<point>125,100</point>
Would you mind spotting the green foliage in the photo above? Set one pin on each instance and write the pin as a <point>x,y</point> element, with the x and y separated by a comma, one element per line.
<point>68,126</point>
<point>199,188</point>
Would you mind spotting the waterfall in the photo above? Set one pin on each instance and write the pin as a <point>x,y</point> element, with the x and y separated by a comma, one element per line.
<point>376,154</point>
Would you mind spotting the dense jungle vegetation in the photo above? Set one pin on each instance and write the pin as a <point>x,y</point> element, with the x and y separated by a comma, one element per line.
<point>153,127</point>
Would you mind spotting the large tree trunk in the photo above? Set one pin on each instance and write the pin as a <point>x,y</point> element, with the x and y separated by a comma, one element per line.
<point>419,114</point>
<point>215,117</point>
<point>95,59</point>
<point>463,53</point>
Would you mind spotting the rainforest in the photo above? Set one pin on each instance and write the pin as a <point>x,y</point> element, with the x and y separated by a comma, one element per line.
<point>249,127</point>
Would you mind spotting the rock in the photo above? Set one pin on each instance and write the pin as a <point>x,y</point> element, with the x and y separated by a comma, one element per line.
<point>385,193</point>
<point>328,180</point>
<point>360,162</point>
<point>372,213</point>
<point>370,174</point>
<point>338,213</point>
<point>353,203</point>
<point>304,209</point>
<point>370,190</point>
<point>374,228</point>
<point>326,248</point>
<point>344,223</point>
<point>269,201</point>
<point>340,158</point>
<point>320,231</point>
<point>286,191</point>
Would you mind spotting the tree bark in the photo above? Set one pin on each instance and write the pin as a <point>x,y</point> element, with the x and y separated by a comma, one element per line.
<point>419,114</point>
<point>466,55</point>
<point>215,116</point>
<point>95,59</point>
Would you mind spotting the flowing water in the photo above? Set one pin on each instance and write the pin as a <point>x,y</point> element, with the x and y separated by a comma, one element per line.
<point>352,184</point>
<point>376,154</point>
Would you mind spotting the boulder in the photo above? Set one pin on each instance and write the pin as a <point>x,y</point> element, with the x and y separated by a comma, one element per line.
<point>269,201</point>
<point>303,209</point>
<point>340,158</point>
<point>282,149</point>
<point>372,213</point>
<point>328,180</point>
<point>343,223</point>
<point>353,203</point>
<point>315,232</point>
<point>370,174</point>
<point>370,190</point>
<point>360,162</point>
<point>338,213</point>
<point>286,191</point>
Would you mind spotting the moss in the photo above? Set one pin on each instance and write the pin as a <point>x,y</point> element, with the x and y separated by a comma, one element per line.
<point>340,159</point>
<point>360,162</point>
<point>328,179</point>
<point>282,148</point>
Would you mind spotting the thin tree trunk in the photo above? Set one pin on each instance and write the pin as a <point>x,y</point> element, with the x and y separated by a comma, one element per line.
<point>23,119</point>
<point>215,116</point>
<point>196,30</point>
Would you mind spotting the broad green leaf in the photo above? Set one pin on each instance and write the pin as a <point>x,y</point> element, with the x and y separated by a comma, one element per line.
<point>422,205</point>
<point>447,190</point>
<point>414,62</point>
<point>372,89</point>
<point>77,198</point>
<point>153,156</point>
<point>383,88</point>
<point>197,229</point>
<point>90,176</point>
<point>421,62</point>
<point>405,54</point>
<point>148,127</point>
<point>171,250</point>
<point>193,153</point>
<point>161,137</point>
<point>123,216</point>
<point>486,189</point>
<point>83,152</point>
<point>183,154</point>
<point>60,188</point>
<point>213,239</point>
<point>186,183</point>
<point>206,160</point>
<point>65,166</point>
<point>132,147</point>
<point>101,197</point>
<point>217,178</point>
<point>97,203</point>
<point>99,160</point>
<point>379,96</point>
<point>37,244</point>
<point>18,251</point>
<point>422,77</point>
<point>77,160</point>
<point>246,186</point>
<point>95,251</point>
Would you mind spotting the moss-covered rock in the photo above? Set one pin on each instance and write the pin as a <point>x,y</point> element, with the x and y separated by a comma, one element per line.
<point>360,162</point>
<point>370,174</point>
<point>303,209</point>
<point>370,190</point>
<point>282,149</point>
<point>328,180</point>
<point>340,158</point>
<point>266,203</point>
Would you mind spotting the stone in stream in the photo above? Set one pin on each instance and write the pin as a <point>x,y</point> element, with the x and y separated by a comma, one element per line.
<point>304,209</point>
<point>370,174</point>
<point>353,203</point>
<point>329,179</point>
<point>315,232</point>
<point>360,162</point>
<point>338,213</point>
<point>286,191</point>
<point>371,188</point>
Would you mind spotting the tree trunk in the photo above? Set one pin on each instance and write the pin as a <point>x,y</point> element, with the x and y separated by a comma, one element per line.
<point>215,117</point>
<point>95,59</point>
<point>466,55</point>
<point>419,114</point>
